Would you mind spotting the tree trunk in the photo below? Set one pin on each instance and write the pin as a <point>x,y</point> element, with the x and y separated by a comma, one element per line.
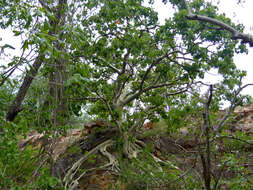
<point>16,106</point>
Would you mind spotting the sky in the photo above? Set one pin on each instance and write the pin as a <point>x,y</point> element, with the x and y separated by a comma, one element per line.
<point>238,13</point>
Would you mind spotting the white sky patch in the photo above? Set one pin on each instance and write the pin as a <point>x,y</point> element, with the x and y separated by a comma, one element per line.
<point>7,37</point>
<point>164,11</point>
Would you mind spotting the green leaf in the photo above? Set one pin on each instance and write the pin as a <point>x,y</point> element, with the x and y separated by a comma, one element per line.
<point>44,35</point>
<point>17,33</point>
<point>7,46</point>
<point>25,45</point>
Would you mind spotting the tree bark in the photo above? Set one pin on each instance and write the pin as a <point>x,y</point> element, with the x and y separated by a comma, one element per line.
<point>16,106</point>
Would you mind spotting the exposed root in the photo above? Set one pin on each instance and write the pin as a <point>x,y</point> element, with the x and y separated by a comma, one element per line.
<point>69,181</point>
<point>112,160</point>
<point>162,162</point>
<point>130,149</point>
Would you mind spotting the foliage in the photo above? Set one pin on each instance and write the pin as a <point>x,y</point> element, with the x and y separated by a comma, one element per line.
<point>18,166</point>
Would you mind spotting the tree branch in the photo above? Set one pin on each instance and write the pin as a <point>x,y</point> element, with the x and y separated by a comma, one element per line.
<point>110,66</point>
<point>109,109</point>
<point>246,38</point>
<point>235,138</point>
<point>156,61</point>
<point>113,68</point>
<point>91,99</point>
<point>231,107</point>
<point>140,120</point>
<point>13,68</point>
<point>119,89</point>
<point>141,91</point>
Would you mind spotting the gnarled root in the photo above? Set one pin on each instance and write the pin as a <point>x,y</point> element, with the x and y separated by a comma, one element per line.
<point>70,182</point>
<point>130,149</point>
<point>112,160</point>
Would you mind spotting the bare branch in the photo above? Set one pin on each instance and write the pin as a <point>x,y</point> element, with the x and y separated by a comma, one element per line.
<point>91,99</point>
<point>13,68</point>
<point>139,92</point>
<point>158,86</point>
<point>6,77</point>
<point>119,89</point>
<point>215,22</point>
<point>110,66</point>
<point>231,107</point>
<point>109,109</point>
<point>207,106</point>
<point>155,62</point>
<point>113,68</point>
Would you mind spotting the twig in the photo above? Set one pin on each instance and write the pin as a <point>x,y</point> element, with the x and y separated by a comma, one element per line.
<point>109,109</point>
<point>235,138</point>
